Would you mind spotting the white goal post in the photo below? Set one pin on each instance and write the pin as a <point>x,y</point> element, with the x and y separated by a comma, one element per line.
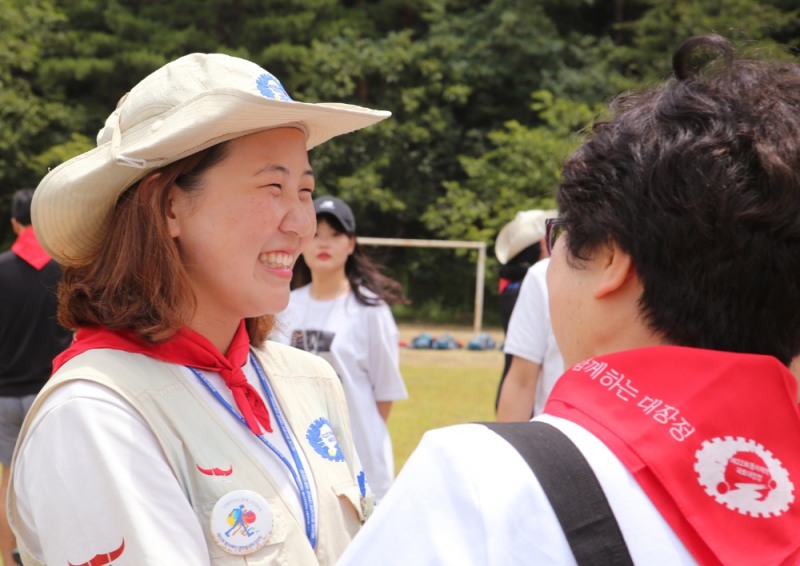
<point>453,244</point>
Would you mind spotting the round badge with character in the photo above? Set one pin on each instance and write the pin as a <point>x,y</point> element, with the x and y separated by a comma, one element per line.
<point>241,522</point>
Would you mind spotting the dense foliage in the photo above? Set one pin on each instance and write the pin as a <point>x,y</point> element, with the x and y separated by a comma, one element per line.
<point>488,96</point>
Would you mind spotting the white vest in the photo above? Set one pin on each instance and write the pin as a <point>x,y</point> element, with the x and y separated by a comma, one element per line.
<point>305,387</point>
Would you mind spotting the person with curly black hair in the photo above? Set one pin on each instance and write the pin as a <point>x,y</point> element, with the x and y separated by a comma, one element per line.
<point>674,286</point>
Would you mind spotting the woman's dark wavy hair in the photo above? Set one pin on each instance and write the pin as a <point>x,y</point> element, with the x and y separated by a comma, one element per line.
<point>699,181</point>
<point>361,271</point>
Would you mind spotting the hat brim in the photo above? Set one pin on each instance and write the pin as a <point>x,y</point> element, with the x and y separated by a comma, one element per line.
<point>72,205</point>
<point>525,229</point>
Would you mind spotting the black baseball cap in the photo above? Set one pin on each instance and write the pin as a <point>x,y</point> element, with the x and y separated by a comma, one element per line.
<point>337,208</point>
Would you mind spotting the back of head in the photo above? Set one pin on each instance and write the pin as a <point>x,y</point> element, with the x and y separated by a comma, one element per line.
<point>21,206</point>
<point>699,181</point>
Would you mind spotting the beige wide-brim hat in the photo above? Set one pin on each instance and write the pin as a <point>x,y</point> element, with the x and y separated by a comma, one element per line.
<point>186,106</point>
<point>526,228</point>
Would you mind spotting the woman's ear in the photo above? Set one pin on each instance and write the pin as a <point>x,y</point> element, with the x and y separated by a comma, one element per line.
<point>617,270</point>
<point>352,247</point>
<point>148,184</point>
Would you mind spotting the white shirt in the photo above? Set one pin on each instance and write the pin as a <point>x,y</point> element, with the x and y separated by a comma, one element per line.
<point>361,343</point>
<point>530,334</point>
<point>466,497</point>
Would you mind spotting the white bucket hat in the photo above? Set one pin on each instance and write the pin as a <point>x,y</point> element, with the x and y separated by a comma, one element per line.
<point>184,107</point>
<point>526,228</point>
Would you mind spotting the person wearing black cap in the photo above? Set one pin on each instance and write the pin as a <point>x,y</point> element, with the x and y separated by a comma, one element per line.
<point>30,337</point>
<point>339,310</point>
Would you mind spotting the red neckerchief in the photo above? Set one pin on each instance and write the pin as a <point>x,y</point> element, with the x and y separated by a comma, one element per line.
<point>187,348</point>
<point>502,283</point>
<point>28,249</point>
<point>713,438</point>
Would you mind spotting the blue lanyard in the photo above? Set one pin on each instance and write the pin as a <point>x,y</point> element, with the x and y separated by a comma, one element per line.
<point>298,471</point>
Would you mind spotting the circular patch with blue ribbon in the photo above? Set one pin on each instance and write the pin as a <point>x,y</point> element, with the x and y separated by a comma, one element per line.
<point>323,440</point>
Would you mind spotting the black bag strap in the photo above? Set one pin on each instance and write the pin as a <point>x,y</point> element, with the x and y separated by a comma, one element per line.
<point>572,489</point>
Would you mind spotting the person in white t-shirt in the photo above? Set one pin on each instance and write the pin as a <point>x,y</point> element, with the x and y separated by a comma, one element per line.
<point>518,246</point>
<point>339,310</point>
<point>536,362</point>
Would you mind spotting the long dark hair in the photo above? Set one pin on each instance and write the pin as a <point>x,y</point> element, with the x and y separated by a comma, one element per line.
<point>361,271</point>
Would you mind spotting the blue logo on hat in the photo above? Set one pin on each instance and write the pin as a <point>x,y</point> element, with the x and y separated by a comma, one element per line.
<point>272,88</point>
<point>323,440</point>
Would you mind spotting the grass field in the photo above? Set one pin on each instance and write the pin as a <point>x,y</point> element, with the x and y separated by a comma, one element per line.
<point>445,387</point>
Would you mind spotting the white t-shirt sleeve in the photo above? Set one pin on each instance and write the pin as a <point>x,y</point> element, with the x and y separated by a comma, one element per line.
<point>384,357</point>
<point>530,321</point>
<point>463,497</point>
<point>91,477</point>
<point>466,497</point>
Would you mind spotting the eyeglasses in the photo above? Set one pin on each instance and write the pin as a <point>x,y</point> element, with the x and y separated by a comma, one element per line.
<point>554,227</point>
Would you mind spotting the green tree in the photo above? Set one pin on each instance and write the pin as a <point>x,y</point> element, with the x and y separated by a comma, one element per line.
<point>645,57</point>
<point>465,148</point>
<point>519,172</point>
<point>27,114</point>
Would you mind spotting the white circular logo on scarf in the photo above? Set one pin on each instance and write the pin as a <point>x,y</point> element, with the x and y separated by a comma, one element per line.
<point>241,522</point>
<point>744,476</point>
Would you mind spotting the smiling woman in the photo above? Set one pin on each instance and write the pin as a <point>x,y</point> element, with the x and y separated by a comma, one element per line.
<point>163,434</point>
<point>254,219</point>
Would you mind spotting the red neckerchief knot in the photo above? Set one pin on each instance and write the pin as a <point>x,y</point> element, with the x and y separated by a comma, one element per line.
<point>249,402</point>
<point>187,348</point>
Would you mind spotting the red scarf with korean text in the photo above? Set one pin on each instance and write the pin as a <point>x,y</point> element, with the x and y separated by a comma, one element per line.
<point>28,249</point>
<point>187,348</point>
<point>713,438</point>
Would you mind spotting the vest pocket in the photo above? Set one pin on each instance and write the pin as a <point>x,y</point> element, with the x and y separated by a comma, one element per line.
<point>349,495</point>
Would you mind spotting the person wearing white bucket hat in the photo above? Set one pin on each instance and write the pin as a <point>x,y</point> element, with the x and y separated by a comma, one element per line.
<point>170,432</point>
<point>518,246</point>
<point>532,359</point>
